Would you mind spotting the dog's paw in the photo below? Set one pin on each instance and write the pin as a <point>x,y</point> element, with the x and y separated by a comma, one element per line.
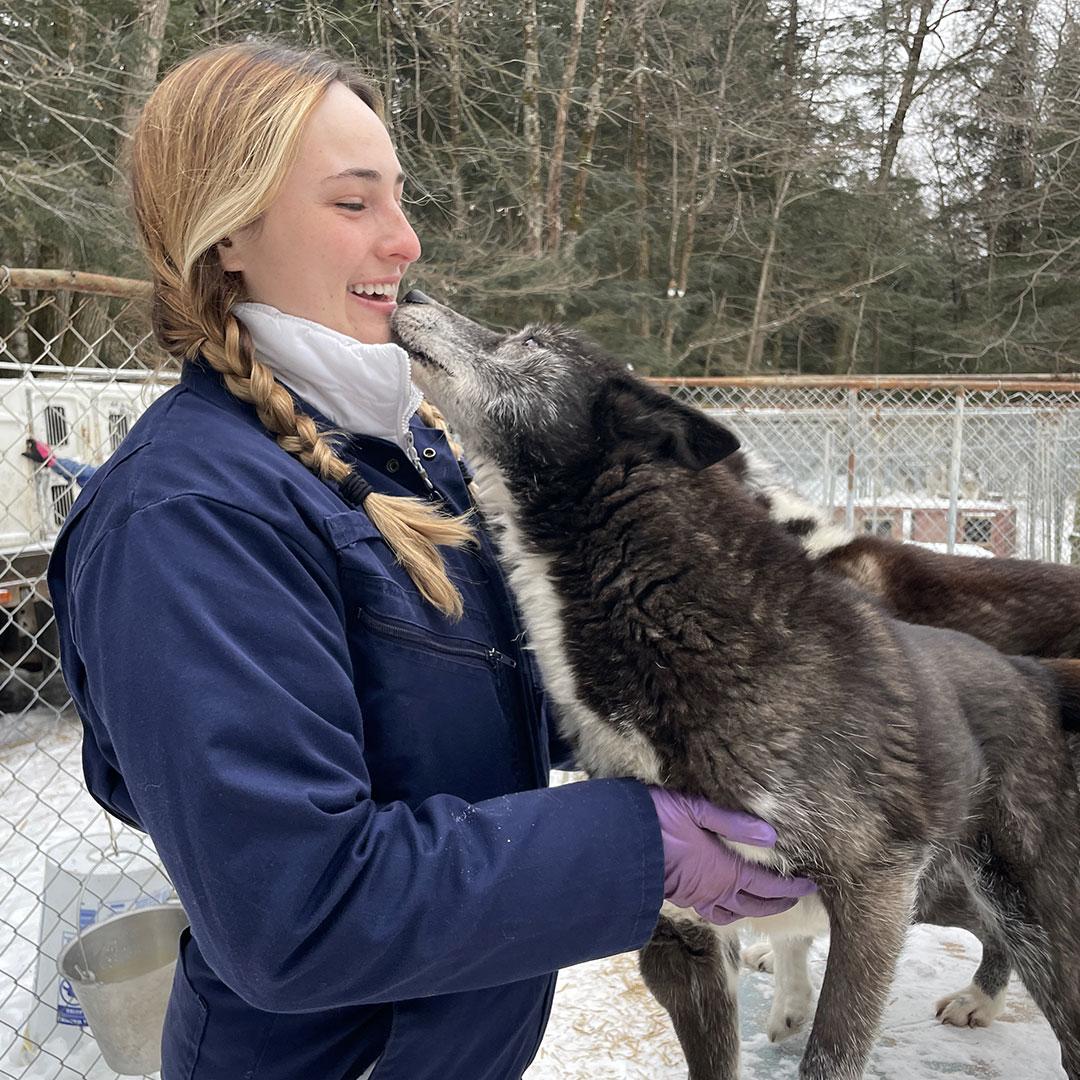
<point>970,1007</point>
<point>759,957</point>
<point>789,1014</point>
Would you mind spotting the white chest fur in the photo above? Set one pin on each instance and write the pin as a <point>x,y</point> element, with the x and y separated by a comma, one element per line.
<point>603,747</point>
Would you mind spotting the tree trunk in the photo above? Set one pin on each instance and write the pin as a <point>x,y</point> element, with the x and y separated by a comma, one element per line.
<point>848,364</point>
<point>150,33</point>
<point>534,193</point>
<point>718,321</point>
<point>757,338</point>
<point>846,360</point>
<point>457,191</point>
<point>907,91</point>
<point>676,213</point>
<point>695,205</point>
<point>592,120</point>
<point>680,273</point>
<point>554,224</point>
<point>791,41</point>
<point>640,144</point>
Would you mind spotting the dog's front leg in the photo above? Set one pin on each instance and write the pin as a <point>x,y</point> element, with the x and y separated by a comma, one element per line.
<point>692,969</point>
<point>869,920</point>
<point>793,996</point>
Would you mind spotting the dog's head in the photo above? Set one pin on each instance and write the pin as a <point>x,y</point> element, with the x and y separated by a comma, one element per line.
<point>543,404</point>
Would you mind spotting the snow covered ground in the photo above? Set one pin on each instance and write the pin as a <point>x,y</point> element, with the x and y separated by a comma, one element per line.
<point>606,1026</point>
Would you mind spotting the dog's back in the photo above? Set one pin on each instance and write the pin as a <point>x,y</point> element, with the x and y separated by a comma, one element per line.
<point>1019,606</point>
<point>1066,674</point>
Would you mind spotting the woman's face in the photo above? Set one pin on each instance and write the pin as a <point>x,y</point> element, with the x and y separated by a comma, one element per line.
<point>336,234</point>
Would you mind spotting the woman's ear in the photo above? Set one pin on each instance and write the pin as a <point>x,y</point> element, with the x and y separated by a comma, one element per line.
<point>229,256</point>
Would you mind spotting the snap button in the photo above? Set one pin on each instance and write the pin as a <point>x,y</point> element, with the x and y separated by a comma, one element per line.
<point>393,465</point>
<point>429,452</point>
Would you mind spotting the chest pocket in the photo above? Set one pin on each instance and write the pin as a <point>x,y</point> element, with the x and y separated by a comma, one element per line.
<point>437,696</point>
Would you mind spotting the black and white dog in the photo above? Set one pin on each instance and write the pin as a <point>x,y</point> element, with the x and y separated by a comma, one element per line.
<point>689,640</point>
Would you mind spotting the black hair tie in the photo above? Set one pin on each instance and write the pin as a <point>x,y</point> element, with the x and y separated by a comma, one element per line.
<point>355,489</point>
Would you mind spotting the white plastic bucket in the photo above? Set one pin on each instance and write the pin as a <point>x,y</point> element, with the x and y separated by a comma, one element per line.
<point>122,971</point>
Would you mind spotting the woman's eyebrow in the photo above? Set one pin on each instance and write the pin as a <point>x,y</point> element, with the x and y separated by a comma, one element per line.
<point>364,174</point>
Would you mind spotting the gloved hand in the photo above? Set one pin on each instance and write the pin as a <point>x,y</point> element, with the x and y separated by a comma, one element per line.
<point>703,873</point>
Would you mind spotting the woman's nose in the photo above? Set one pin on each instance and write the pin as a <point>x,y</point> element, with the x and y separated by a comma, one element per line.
<point>401,242</point>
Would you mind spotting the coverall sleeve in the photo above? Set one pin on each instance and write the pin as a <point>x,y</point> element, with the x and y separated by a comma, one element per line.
<point>216,661</point>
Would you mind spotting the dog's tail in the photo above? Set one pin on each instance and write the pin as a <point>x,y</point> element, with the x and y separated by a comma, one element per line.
<point>1066,674</point>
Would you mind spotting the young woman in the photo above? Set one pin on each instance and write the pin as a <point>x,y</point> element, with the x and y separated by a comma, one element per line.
<point>296,664</point>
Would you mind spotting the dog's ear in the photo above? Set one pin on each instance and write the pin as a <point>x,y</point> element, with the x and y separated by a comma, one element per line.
<point>658,425</point>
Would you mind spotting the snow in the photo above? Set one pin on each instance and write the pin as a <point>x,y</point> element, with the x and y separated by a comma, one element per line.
<point>604,1024</point>
<point>972,550</point>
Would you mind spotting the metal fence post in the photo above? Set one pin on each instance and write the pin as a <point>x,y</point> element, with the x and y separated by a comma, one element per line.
<point>954,471</point>
<point>852,420</point>
<point>830,478</point>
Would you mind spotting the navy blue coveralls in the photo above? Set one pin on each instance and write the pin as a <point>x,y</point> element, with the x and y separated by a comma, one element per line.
<point>323,762</point>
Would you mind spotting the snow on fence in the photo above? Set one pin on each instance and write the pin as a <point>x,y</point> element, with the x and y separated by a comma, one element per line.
<point>988,466</point>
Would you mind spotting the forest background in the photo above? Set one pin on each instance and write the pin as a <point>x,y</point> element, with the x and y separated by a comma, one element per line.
<point>703,186</point>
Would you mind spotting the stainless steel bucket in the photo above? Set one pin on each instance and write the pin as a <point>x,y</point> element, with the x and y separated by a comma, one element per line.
<point>121,971</point>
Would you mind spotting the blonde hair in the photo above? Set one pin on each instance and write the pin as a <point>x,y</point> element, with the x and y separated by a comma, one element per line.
<point>208,155</point>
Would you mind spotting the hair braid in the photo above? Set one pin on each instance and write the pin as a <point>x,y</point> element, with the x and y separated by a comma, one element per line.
<point>411,527</point>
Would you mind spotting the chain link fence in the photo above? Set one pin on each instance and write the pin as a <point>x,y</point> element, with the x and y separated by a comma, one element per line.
<point>77,368</point>
<point>985,467</point>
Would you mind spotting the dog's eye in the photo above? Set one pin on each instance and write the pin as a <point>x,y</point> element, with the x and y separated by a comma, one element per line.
<point>531,343</point>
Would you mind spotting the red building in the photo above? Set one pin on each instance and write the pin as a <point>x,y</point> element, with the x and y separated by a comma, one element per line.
<point>982,525</point>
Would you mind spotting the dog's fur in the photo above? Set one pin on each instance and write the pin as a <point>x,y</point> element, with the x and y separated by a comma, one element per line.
<point>689,640</point>
<point>1019,606</point>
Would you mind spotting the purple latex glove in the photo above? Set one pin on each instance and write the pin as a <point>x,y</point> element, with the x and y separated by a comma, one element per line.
<point>703,873</point>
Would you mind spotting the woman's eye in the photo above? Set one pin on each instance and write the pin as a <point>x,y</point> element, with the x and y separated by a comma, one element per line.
<point>351,206</point>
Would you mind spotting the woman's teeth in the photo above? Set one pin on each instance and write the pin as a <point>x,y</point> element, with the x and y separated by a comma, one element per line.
<point>383,291</point>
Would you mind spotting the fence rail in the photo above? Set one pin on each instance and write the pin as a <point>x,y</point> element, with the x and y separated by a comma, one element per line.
<point>987,465</point>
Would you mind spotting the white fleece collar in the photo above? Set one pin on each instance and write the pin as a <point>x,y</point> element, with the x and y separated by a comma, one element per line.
<point>362,389</point>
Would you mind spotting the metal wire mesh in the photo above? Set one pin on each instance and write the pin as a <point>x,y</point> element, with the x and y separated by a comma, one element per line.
<point>977,467</point>
<point>980,466</point>
<point>77,367</point>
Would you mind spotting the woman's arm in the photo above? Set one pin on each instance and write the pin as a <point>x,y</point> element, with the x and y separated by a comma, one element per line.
<point>218,678</point>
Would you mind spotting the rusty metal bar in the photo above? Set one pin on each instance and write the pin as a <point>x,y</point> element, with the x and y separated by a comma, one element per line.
<point>104,285</point>
<point>1030,383</point>
<point>73,281</point>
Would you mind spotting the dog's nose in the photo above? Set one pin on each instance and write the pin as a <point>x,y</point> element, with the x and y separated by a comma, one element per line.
<point>415,296</point>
